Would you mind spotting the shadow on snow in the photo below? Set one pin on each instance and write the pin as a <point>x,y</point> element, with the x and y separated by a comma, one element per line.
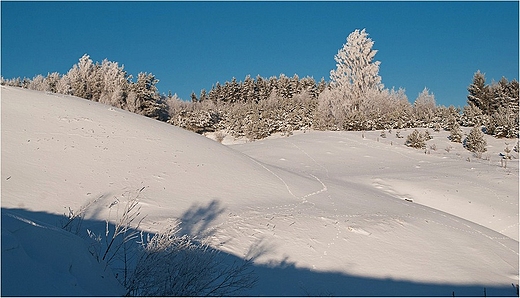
<point>283,279</point>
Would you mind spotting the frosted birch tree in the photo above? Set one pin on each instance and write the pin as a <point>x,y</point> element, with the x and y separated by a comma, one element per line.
<point>115,84</point>
<point>356,72</point>
<point>352,83</point>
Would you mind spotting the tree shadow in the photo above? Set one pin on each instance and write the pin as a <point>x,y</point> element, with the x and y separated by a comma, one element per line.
<point>197,220</point>
<point>281,279</point>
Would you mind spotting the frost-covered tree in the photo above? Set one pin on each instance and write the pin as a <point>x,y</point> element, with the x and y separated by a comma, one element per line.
<point>15,82</point>
<point>64,85</point>
<point>143,97</point>
<point>424,106</point>
<point>475,141</point>
<point>503,123</point>
<point>356,71</point>
<point>37,83</point>
<point>114,85</point>
<point>51,82</point>
<point>472,115</point>
<point>81,77</point>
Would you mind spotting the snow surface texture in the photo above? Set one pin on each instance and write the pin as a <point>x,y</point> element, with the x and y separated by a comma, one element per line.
<point>323,213</point>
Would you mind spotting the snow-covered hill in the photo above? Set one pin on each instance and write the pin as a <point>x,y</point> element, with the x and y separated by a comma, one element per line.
<point>324,212</point>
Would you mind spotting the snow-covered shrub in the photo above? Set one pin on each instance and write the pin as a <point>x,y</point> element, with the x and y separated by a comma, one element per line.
<point>427,135</point>
<point>507,152</point>
<point>416,140</point>
<point>199,121</point>
<point>475,141</point>
<point>456,133</point>
<point>219,136</point>
<point>109,246</point>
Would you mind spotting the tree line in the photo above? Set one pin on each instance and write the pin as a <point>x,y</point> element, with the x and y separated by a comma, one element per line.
<point>353,99</point>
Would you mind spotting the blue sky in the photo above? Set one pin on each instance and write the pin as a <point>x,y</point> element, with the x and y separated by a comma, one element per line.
<point>192,45</point>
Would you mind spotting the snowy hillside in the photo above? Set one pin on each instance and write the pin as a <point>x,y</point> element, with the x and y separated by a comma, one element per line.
<point>324,213</point>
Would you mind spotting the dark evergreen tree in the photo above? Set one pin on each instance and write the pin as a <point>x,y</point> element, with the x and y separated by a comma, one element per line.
<point>480,94</point>
<point>193,97</point>
<point>203,96</point>
<point>144,98</point>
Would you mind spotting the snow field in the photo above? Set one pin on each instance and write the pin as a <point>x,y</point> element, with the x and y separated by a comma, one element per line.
<point>320,212</point>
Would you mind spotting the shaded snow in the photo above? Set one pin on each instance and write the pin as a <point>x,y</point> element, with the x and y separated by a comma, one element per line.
<point>323,212</point>
<point>38,259</point>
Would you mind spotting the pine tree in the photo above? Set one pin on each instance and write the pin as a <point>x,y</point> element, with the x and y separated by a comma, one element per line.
<point>144,98</point>
<point>475,141</point>
<point>203,95</point>
<point>416,140</point>
<point>503,123</point>
<point>193,97</point>
<point>472,115</point>
<point>455,133</point>
<point>480,94</point>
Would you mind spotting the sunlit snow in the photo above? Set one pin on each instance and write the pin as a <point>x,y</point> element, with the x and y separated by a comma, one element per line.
<point>323,213</point>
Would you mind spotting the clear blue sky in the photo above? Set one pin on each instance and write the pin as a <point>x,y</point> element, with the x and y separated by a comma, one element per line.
<point>192,45</point>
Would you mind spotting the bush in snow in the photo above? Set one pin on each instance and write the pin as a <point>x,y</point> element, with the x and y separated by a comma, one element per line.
<point>174,265</point>
<point>219,136</point>
<point>165,264</point>
<point>416,140</point>
<point>456,133</point>
<point>475,141</point>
